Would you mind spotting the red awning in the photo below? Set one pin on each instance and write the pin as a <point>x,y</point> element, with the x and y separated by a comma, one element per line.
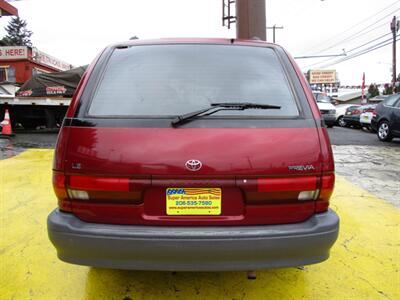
<point>7,9</point>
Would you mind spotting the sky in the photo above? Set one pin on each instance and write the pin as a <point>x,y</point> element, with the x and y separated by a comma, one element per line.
<point>76,31</point>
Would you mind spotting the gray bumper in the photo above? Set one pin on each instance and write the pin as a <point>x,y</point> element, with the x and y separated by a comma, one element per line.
<point>193,248</point>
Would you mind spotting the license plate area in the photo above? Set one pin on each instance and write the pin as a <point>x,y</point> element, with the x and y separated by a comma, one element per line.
<point>193,201</point>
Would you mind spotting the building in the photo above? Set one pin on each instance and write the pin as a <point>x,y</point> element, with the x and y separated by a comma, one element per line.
<point>20,63</point>
<point>7,9</point>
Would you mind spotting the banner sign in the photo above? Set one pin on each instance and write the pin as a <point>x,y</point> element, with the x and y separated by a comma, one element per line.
<point>48,60</point>
<point>13,52</point>
<point>322,76</point>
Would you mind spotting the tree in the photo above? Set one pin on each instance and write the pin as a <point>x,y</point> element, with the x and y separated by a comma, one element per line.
<point>373,90</point>
<point>17,33</point>
<point>388,89</point>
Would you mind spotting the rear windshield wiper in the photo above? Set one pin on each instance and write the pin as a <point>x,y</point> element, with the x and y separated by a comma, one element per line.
<point>215,107</point>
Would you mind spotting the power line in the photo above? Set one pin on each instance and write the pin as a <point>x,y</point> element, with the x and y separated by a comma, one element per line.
<point>361,52</point>
<point>349,51</point>
<point>354,26</point>
<point>360,32</point>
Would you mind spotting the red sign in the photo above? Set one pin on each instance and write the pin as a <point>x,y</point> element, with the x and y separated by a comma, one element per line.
<point>55,90</point>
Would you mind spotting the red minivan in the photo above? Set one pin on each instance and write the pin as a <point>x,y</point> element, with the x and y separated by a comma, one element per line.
<point>193,155</point>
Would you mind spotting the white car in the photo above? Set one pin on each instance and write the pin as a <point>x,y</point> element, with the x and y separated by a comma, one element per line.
<point>327,109</point>
<point>366,116</point>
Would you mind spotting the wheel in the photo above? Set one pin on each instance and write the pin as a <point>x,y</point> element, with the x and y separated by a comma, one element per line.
<point>341,122</point>
<point>384,133</point>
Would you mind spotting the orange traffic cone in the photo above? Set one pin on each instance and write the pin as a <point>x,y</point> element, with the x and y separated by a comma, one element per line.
<point>6,126</point>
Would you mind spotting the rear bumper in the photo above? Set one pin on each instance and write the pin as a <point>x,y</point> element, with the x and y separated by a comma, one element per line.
<point>193,248</point>
<point>329,119</point>
<point>374,123</point>
<point>352,120</point>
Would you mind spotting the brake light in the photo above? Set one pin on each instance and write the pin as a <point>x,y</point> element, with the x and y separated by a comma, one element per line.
<point>279,190</point>
<point>99,183</point>
<point>374,113</point>
<point>70,188</point>
<point>64,203</point>
<point>105,189</point>
<point>356,112</point>
<point>287,184</point>
<point>327,185</point>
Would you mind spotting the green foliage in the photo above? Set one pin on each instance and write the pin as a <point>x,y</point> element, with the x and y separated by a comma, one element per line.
<point>17,33</point>
<point>373,90</point>
<point>388,89</point>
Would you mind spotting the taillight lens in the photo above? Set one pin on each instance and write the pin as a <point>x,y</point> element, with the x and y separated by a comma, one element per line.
<point>327,185</point>
<point>289,190</point>
<point>70,188</point>
<point>356,112</point>
<point>106,189</point>
<point>279,190</point>
<point>374,113</point>
<point>60,190</point>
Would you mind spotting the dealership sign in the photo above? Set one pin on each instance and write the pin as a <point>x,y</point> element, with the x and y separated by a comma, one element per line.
<point>13,52</point>
<point>48,60</point>
<point>322,76</point>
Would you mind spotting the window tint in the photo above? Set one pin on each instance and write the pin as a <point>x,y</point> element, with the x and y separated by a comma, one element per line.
<point>391,99</point>
<point>169,80</point>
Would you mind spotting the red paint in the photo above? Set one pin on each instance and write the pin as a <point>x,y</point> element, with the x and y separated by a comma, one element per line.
<point>98,183</point>
<point>300,183</point>
<point>250,165</point>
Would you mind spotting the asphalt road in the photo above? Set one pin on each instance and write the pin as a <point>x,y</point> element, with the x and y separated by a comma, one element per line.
<point>350,136</point>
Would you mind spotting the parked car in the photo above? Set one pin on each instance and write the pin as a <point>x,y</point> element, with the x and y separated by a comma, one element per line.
<point>327,109</point>
<point>340,112</point>
<point>386,118</point>
<point>165,162</point>
<point>366,116</point>
<point>352,116</point>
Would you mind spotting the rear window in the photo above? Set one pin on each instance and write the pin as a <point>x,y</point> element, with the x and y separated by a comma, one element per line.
<point>170,80</point>
<point>391,100</point>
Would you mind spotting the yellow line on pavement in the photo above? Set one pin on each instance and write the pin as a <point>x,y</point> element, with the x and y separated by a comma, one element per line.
<point>364,262</point>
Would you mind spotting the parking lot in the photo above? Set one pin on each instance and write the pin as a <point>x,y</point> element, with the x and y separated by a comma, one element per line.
<point>364,262</point>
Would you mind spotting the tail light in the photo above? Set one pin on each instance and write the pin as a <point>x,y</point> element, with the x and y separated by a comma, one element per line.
<point>64,203</point>
<point>356,112</point>
<point>327,185</point>
<point>289,190</point>
<point>279,190</point>
<point>72,188</point>
<point>374,113</point>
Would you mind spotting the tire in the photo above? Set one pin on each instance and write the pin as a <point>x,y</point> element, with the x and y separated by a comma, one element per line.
<point>342,122</point>
<point>384,132</point>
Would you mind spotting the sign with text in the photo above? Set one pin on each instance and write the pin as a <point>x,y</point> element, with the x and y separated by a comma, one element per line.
<point>322,76</point>
<point>48,60</point>
<point>13,52</point>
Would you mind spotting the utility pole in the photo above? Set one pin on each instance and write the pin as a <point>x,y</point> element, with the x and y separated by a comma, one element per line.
<point>273,31</point>
<point>394,26</point>
<point>250,19</point>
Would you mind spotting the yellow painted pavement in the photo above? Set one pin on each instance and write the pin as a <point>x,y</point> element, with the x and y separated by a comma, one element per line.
<point>364,263</point>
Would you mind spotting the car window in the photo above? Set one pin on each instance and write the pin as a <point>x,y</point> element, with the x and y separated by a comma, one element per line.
<point>389,101</point>
<point>170,80</point>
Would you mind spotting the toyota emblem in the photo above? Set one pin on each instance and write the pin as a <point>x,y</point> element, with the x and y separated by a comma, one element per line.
<point>193,165</point>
